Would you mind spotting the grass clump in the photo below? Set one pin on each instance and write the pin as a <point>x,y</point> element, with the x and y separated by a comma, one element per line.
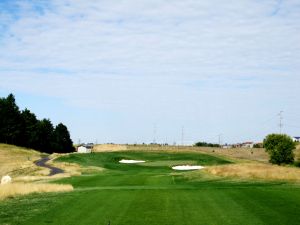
<point>259,171</point>
<point>15,189</point>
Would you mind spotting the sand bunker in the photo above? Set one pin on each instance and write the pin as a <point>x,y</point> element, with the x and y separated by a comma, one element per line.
<point>187,167</point>
<point>131,161</point>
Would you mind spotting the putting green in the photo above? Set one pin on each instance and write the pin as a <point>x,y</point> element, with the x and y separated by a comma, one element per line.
<point>152,193</point>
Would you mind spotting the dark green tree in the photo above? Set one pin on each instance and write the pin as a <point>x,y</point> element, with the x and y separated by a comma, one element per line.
<point>10,120</point>
<point>45,136</point>
<point>62,140</point>
<point>24,129</point>
<point>205,144</point>
<point>29,136</point>
<point>280,148</point>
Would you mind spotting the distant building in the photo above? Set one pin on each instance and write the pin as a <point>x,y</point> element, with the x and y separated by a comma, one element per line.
<point>247,145</point>
<point>296,139</point>
<point>227,146</point>
<point>85,148</point>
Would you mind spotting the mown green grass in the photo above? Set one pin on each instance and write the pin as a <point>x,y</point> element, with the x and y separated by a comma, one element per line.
<point>154,194</point>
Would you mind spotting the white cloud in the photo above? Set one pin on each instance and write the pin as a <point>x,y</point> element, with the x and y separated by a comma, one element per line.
<point>163,56</point>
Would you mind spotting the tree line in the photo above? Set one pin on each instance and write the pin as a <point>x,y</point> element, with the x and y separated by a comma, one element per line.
<point>204,144</point>
<point>22,128</point>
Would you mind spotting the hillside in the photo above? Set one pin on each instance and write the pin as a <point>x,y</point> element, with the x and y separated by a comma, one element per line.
<point>17,161</point>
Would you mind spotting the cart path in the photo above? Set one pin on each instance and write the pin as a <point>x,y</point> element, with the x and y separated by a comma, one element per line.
<point>53,170</point>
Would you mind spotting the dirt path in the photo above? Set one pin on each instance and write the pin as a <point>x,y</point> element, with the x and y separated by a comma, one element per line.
<point>53,170</point>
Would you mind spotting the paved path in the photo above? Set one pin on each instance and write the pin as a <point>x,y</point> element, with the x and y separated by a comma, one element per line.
<point>53,170</point>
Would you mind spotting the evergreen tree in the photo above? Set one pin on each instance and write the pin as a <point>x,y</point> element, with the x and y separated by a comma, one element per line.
<point>62,140</point>
<point>29,129</point>
<point>45,136</point>
<point>10,120</point>
<point>24,129</point>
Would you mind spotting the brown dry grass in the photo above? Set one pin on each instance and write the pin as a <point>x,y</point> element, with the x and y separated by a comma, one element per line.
<point>14,189</point>
<point>254,154</point>
<point>71,169</point>
<point>297,152</point>
<point>16,161</point>
<point>109,148</point>
<point>256,171</point>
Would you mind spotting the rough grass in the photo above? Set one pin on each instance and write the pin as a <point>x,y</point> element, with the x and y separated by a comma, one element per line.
<point>14,189</point>
<point>109,147</point>
<point>71,169</point>
<point>17,161</point>
<point>258,171</point>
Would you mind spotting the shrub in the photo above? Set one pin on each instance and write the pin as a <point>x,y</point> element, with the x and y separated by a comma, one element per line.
<point>258,145</point>
<point>280,148</point>
<point>204,144</point>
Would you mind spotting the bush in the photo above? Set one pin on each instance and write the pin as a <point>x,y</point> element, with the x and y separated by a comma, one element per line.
<point>204,144</point>
<point>280,148</point>
<point>258,145</point>
<point>297,164</point>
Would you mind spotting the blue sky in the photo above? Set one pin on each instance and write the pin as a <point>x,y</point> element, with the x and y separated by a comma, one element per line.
<point>113,70</point>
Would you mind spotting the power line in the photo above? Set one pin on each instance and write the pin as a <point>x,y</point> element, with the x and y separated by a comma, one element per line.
<point>280,121</point>
<point>287,125</point>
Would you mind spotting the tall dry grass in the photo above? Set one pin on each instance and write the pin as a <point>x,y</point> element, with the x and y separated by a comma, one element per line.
<point>260,171</point>
<point>15,189</point>
<point>17,161</point>
<point>109,148</point>
<point>71,169</point>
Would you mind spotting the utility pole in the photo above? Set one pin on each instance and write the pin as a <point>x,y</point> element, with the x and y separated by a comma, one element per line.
<point>280,121</point>
<point>219,137</point>
<point>154,134</point>
<point>182,135</point>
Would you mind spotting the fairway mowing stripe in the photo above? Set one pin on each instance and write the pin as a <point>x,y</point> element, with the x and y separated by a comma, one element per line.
<point>163,188</point>
<point>134,188</point>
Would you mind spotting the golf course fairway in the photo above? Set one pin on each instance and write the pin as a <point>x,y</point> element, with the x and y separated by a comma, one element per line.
<point>151,193</point>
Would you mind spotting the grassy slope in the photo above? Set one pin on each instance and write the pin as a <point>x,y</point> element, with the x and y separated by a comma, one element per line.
<point>17,161</point>
<point>152,193</point>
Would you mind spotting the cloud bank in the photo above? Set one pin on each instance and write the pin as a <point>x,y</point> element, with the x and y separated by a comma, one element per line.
<point>214,67</point>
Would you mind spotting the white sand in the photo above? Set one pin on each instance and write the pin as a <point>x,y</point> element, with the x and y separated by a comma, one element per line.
<point>187,167</point>
<point>131,161</point>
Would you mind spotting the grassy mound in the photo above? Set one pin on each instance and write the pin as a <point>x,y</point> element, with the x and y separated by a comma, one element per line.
<point>17,161</point>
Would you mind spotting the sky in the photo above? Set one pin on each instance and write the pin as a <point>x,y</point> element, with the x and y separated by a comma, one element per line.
<point>166,71</point>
